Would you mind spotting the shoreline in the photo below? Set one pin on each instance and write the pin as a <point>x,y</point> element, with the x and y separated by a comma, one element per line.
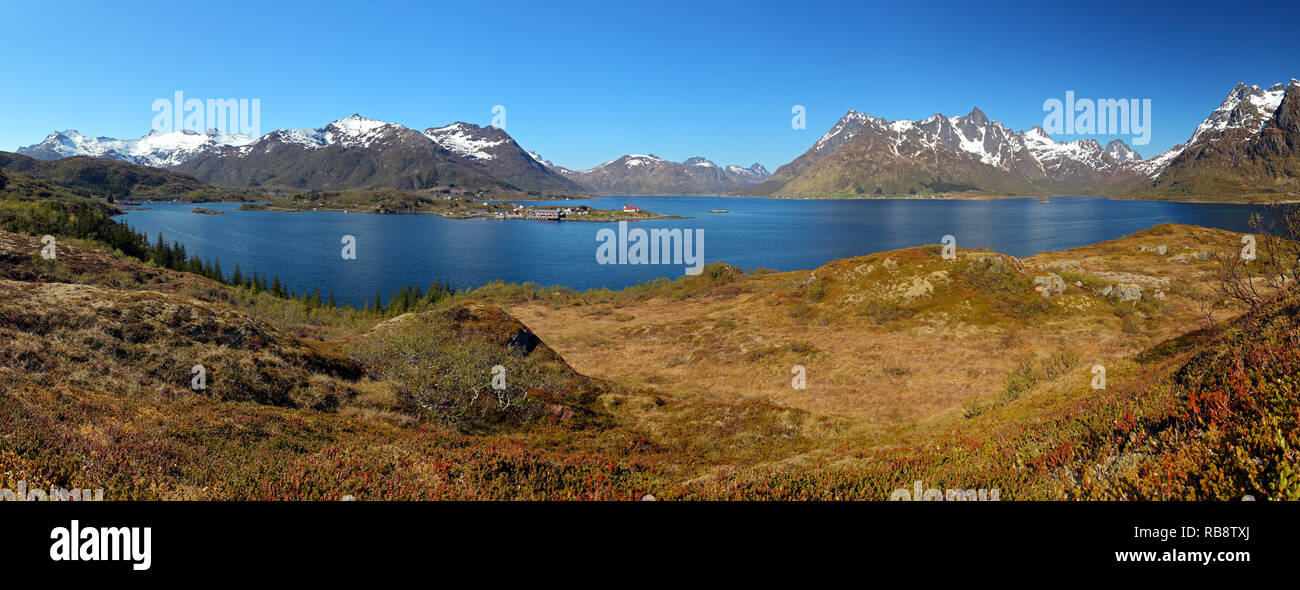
<point>984,197</point>
<point>245,206</point>
<point>963,196</point>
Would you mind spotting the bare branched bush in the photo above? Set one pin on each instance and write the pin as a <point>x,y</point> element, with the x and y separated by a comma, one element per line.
<point>1275,266</point>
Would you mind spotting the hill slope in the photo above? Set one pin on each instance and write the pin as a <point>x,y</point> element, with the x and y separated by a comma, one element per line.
<point>98,389</point>
<point>103,177</point>
<point>955,372</point>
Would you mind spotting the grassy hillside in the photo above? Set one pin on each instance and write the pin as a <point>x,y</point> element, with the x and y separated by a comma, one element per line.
<point>112,179</point>
<point>958,373</point>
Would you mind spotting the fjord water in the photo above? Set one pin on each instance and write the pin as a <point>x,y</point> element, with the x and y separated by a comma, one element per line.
<point>782,234</point>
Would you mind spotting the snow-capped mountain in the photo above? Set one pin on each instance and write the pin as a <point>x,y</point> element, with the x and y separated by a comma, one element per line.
<point>1121,152</point>
<point>156,149</point>
<point>863,154</point>
<point>353,131</point>
<point>493,151</point>
<point>1246,108</point>
<point>541,160</point>
<point>1250,144</point>
<point>352,152</point>
<point>468,140</point>
<point>755,174</point>
<point>638,174</point>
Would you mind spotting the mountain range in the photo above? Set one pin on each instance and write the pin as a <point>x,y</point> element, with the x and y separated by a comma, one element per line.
<point>157,149</point>
<point>651,175</point>
<point>1247,146</point>
<point>360,153</point>
<point>356,152</point>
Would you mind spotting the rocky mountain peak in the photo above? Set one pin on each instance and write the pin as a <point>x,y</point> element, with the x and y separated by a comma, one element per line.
<point>470,140</point>
<point>1121,152</point>
<point>698,161</point>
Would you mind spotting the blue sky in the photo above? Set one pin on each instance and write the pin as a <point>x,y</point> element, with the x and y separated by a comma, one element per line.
<point>585,82</point>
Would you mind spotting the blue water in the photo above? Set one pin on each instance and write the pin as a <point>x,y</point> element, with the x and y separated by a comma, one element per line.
<point>782,234</point>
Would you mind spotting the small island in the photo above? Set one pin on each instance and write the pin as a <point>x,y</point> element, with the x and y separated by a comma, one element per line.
<point>202,211</point>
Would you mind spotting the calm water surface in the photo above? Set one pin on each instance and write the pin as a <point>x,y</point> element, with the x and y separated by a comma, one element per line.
<point>782,234</point>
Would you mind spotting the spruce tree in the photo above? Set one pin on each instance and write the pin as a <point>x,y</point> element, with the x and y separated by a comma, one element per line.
<point>159,254</point>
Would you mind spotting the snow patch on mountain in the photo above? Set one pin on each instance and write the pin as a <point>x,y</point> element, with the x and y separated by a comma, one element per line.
<point>465,140</point>
<point>848,126</point>
<point>351,131</point>
<point>635,163</point>
<point>354,126</point>
<point>155,149</point>
<point>543,161</point>
<point>640,160</point>
<point>699,161</point>
<point>356,131</point>
<point>311,138</point>
<point>975,136</point>
<point>1121,152</point>
<point>1245,107</point>
<point>1154,166</point>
